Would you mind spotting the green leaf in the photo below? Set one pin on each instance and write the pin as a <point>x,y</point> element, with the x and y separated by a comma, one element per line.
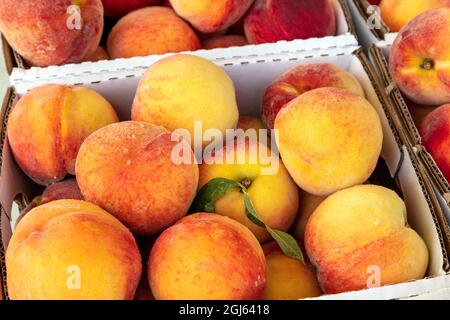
<point>211,192</point>
<point>251,212</point>
<point>287,244</point>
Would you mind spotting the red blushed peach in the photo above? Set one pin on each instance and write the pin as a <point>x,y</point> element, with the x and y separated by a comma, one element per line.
<point>435,132</point>
<point>207,256</point>
<point>71,249</point>
<point>152,30</point>
<point>224,42</point>
<point>300,80</point>
<point>48,124</point>
<point>118,8</point>
<point>67,189</point>
<point>419,58</point>
<point>275,20</point>
<point>127,169</point>
<point>211,16</point>
<point>44,34</point>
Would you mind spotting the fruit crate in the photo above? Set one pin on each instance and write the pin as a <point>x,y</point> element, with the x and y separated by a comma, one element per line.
<point>407,123</point>
<point>369,26</point>
<point>399,168</point>
<point>345,29</point>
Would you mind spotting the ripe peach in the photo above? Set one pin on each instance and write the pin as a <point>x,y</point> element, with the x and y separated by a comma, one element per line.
<point>207,256</point>
<point>86,252</point>
<point>224,42</point>
<point>67,189</point>
<point>307,204</point>
<point>152,30</point>
<point>275,20</point>
<point>48,124</point>
<point>329,139</point>
<point>211,16</point>
<point>419,58</point>
<point>273,193</point>
<point>359,238</point>
<point>97,55</point>
<point>397,13</point>
<point>435,132</point>
<point>246,123</point>
<point>287,278</point>
<point>44,33</point>
<point>178,91</point>
<point>127,169</point>
<point>301,79</point>
<point>118,8</point>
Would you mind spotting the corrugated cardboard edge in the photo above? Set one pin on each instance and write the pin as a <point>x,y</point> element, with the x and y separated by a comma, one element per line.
<point>15,60</point>
<point>409,134</point>
<point>362,7</point>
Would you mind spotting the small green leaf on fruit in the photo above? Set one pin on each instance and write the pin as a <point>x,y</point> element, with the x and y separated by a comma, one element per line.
<point>287,244</point>
<point>211,192</point>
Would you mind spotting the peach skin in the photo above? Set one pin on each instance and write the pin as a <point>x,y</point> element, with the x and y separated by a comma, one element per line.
<point>397,13</point>
<point>118,8</point>
<point>72,250</point>
<point>211,16</point>
<point>358,238</point>
<point>307,204</point>
<point>301,79</point>
<point>148,31</point>
<point>273,194</point>
<point>275,20</point>
<point>47,126</point>
<point>98,55</point>
<point>127,169</point>
<point>329,139</point>
<point>49,32</point>
<point>225,41</point>
<point>181,90</point>
<point>419,59</point>
<point>287,278</point>
<point>207,257</point>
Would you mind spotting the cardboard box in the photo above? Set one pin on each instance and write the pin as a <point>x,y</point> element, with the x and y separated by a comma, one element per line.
<point>408,130</point>
<point>369,26</point>
<point>344,28</point>
<point>251,76</point>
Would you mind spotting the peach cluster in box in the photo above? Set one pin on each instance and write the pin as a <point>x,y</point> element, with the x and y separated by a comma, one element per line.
<point>129,187</point>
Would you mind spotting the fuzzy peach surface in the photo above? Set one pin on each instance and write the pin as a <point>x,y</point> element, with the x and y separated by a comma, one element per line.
<point>211,16</point>
<point>329,139</point>
<point>39,30</point>
<point>207,256</point>
<point>420,60</point>
<point>62,238</point>
<point>224,41</point>
<point>127,169</point>
<point>178,91</point>
<point>301,79</point>
<point>151,30</point>
<point>48,125</point>
<point>360,230</point>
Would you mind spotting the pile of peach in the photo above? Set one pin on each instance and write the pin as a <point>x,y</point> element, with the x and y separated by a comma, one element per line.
<point>420,66</point>
<point>56,32</point>
<point>80,241</point>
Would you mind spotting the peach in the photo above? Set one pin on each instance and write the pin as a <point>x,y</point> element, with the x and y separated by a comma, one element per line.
<point>435,132</point>
<point>67,189</point>
<point>397,13</point>
<point>118,8</point>
<point>127,169</point>
<point>97,55</point>
<point>287,278</point>
<point>71,249</point>
<point>301,79</point>
<point>207,256</point>
<point>178,91</point>
<point>307,204</point>
<point>45,32</point>
<point>48,124</point>
<point>329,139</point>
<point>419,58</point>
<point>418,112</point>
<point>359,238</point>
<point>224,42</point>
<point>210,16</point>
<point>152,30</point>
<point>272,191</point>
<point>246,123</point>
<point>275,20</point>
